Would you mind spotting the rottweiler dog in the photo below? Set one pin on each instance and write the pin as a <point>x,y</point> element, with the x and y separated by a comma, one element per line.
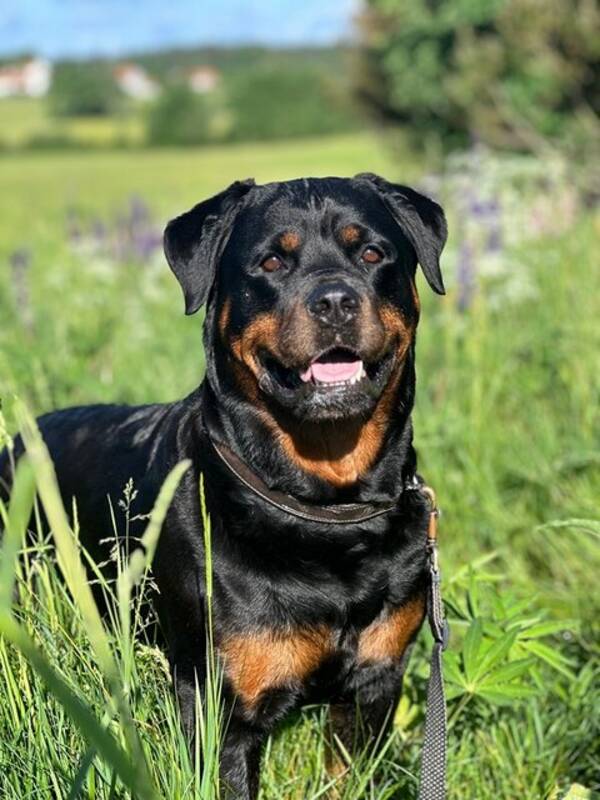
<point>302,431</point>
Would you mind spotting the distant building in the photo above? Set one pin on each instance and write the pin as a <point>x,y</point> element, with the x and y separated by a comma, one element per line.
<point>203,79</point>
<point>135,82</point>
<point>30,78</point>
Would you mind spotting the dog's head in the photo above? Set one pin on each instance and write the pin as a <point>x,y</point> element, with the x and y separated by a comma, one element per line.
<point>309,286</point>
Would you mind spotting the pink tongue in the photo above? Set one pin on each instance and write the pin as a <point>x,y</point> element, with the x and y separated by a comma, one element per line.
<point>330,371</point>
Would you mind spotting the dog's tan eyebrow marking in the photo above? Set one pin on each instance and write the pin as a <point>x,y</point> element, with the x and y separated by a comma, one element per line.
<point>289,241</point>
<point>350,234</point>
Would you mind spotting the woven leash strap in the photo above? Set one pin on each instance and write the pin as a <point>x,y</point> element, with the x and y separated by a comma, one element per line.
<point>432,785</point>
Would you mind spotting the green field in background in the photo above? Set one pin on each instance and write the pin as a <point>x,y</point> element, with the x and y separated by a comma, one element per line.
<point>23,119</point>
<point>46,184</point>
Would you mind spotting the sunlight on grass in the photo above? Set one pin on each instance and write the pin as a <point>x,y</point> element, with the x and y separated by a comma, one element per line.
<point>506,426</point>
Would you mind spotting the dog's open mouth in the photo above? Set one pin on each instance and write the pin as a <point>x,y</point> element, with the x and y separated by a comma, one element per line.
<point>336,370</point>
<point>339,367</point>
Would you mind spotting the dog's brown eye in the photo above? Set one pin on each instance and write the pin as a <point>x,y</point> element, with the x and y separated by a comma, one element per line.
<point>372,255</point>
<point>271,263</point>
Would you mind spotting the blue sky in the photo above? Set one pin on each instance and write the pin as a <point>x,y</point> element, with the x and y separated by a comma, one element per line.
<point>111,27</point>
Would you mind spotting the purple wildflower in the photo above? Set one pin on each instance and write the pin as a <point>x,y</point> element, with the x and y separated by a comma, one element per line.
<point>139,213</point>
<point>131,236</point>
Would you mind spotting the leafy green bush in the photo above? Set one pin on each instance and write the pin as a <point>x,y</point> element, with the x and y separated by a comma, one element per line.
<point>83,89</point>
<point>268,103</point>
<point>255,104</point>
<point>505,71</point>
<point>178,117</point>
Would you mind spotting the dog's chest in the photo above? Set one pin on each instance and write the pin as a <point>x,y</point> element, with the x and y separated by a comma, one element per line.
<point>264,661</point>
<point>300,626</point>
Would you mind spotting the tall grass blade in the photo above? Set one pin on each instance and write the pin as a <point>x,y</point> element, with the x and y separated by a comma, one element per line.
<point>69,560</point>
<point>17,517</point>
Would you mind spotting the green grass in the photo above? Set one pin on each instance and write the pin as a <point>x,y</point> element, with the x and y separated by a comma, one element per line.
<point>169,179</point>
<point>507,431</point>
<point>22,117</point>
<point>28,118</point>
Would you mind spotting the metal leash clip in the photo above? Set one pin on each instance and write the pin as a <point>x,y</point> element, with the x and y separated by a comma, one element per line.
<point>440,626</point>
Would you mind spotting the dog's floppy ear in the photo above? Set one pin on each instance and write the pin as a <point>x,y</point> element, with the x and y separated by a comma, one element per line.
<point>194,242</point>
<point>422,221</point>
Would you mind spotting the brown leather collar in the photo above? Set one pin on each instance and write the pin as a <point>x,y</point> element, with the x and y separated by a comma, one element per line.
<point>332,514</point>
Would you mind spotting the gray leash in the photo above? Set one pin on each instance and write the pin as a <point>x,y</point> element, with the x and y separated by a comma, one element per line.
<point>432,785</point>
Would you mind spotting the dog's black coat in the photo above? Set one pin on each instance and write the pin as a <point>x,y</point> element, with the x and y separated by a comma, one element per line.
<point>303,611</point>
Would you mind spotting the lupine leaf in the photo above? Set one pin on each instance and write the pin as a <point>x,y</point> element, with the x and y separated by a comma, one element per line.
<point>550,656</point>
<point>505,692</point>
<point>548,628</point>
<point>507,672</point>
<point>452,669</point>
<point>494,655</point>
<point>471,647</point>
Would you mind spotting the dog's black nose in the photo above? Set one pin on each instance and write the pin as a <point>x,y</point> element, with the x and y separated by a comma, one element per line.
<point>334,303</point>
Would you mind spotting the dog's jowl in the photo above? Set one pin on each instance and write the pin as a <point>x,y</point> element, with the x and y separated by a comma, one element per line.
<point>302,431</point>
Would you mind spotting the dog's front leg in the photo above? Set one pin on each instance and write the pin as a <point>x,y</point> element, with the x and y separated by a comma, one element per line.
<point>240,746</point>
<point>189,679</point>
<point>362,720</point>
<point>240,761</point>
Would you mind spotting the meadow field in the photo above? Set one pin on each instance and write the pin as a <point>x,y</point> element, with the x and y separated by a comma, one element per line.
<point>27,120</point>
<point>507,431</point>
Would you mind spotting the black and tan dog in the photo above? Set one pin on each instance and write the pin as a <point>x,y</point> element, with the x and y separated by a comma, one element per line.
<point>303,433</point>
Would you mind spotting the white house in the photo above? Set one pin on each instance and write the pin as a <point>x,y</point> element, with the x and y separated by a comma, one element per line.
<point>30,78</point>
<point>203,79</point>
<point>134,81</point>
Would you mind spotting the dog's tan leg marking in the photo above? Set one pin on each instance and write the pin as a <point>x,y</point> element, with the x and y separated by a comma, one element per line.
<point>262,660</point>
